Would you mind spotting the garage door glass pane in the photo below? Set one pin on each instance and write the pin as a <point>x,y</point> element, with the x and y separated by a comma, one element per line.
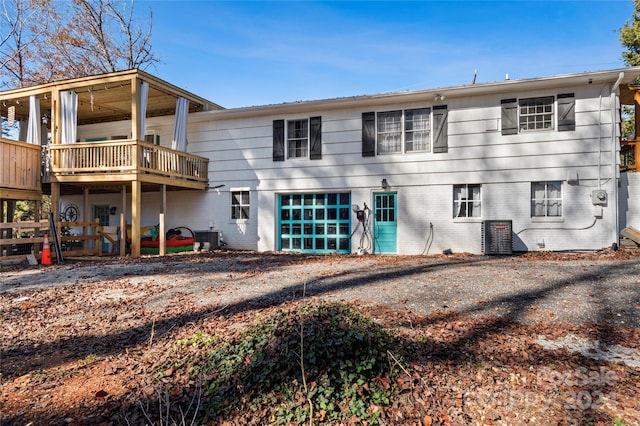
<point>320,218</point>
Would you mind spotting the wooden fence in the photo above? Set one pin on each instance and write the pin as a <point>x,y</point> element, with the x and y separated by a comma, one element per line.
<point>20,165</point>
<point>18,239</point>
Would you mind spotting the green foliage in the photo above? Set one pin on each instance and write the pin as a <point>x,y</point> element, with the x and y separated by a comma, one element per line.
<point>618,422</point>
<point>630,37</point>
<point>628,122</point>
<point>25,210</point>
<point>344,360</point>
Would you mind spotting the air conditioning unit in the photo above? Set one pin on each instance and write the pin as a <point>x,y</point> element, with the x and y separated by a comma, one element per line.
<point>497,237</point>
<point>209,239</point>
<point>152,138</point>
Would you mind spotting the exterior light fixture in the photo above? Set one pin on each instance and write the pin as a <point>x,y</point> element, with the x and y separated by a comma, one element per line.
<point>384,183</point>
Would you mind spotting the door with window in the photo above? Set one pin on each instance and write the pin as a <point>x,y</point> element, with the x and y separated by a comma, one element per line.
<point>385,226</point>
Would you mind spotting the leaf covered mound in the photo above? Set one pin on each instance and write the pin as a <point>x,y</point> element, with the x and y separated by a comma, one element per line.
<point>324,361</point>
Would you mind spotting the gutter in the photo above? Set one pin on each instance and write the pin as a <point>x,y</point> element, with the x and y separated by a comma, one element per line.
<point>615,169</point>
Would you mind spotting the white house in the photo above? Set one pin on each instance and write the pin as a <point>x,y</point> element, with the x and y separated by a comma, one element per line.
<point>518,165</point>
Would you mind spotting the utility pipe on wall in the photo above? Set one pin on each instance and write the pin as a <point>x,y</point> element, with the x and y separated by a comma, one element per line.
<point>614,160</point>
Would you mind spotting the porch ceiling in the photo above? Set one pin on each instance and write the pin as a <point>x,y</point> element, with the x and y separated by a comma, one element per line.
<point>106,97</point>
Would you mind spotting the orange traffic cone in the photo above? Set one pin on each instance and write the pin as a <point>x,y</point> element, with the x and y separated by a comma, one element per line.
<point>46,251</point>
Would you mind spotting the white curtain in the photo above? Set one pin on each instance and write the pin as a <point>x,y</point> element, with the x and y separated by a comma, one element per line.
<point>466,200</point>
<point>179,141</point>
<point>22,134</point>
<point>34,126</point>
<point>69,105</point>
<point>538,199</point>
<point>144,93</point>
<point>547,198</point>
<point>554,195</point>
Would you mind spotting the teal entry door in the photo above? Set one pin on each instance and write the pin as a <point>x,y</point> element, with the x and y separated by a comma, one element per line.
<point>385,216</point>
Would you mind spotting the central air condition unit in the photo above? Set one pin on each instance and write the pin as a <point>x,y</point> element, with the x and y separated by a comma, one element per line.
<point>209,239</point>
<point>497,237</point>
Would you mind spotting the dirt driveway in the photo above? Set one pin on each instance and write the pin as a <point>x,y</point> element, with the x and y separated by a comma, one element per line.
<point>565,288</point>
<point>79,340</point>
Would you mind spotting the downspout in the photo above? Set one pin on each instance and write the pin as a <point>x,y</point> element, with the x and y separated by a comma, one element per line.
<point>615,170</point>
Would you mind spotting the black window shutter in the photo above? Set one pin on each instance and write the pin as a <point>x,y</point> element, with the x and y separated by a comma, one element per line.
<point>368,134</point>
<point>278,140</point>
<point>509,116</point>
<point>440,124</point>
<point>316,138</point>
<point>566,112</point>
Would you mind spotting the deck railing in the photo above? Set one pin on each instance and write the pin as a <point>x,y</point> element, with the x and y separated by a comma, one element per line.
<point>126,156</point>
<point>20,165</point>
<point>629,154</point>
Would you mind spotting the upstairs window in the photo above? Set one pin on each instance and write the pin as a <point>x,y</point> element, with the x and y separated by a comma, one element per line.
<point>536,114</point>
<point>297,138</point>
<point>389,132</point>
<point>302,138</point>
<point>546,199</point>
<point>403,131</point>
<point>417,127</point>
<point>466,201</point>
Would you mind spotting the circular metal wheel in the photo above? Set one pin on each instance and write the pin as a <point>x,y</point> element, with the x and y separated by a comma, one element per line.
<point>71,213</point>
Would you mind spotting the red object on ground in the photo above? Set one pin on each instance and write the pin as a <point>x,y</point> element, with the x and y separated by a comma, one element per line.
<point>46,251</point>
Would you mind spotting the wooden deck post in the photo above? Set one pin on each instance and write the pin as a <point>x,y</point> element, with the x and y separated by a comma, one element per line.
<point>55,203</point>
<point>161,219</point>
<point>85,216</point>
<point>136,221</point>
<point>123,222</point>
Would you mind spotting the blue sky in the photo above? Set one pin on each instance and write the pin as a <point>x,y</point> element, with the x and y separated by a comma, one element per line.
<point>244,53</point>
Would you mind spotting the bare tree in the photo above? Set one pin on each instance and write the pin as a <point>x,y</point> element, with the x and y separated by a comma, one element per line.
<point>18,40</point>
<point>49,40</point>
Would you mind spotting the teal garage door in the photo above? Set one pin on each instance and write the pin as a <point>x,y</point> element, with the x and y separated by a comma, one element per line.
<point>314,223</point>
<point>385,222</point>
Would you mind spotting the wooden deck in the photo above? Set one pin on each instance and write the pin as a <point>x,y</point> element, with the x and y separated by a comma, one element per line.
<point>21,170</point>
<point>127,160</point>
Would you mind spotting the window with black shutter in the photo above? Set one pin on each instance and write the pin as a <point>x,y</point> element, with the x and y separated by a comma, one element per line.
<point>509,116</point>
<point>566,112</point>
<point>368,134</point>
<point>440,128</point>
<point>278,140</point>
<point>316,138</point>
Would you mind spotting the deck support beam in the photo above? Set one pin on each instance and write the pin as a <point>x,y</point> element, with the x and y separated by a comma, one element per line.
<point>136,222</point>
<point>85,215</point>
<point>123,222</point>
<point>161,221</point>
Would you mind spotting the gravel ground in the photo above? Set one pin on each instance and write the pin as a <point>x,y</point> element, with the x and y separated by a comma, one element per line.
<point>569,289</point>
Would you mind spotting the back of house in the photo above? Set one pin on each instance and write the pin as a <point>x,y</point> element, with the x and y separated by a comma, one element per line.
<point>516,165</point>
